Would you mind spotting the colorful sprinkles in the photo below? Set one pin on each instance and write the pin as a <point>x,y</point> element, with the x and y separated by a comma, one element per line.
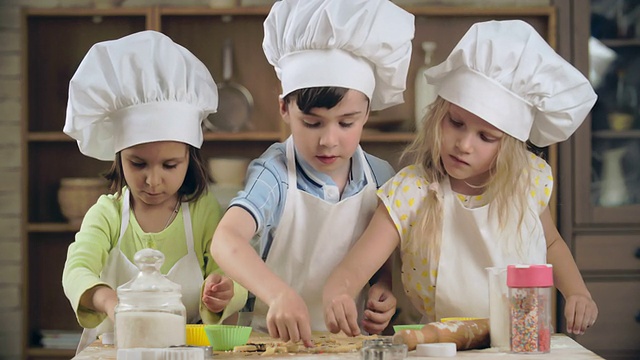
<point>530,332</point>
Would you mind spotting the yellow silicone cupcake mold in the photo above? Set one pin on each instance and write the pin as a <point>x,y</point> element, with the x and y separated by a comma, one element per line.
<point>196,335</point>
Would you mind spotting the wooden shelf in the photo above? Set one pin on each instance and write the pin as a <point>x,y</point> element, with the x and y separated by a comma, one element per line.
<point>48,136</point>
<point>616,134</point>
<point>243,136</point>
<point>196,11</point>
<point>58,136</point>
<point>78,11</point>
<point>620,42</point>
<point>52,228</point>
<point>55,353</point>
<point>386,137</point>
<point>512,11</point>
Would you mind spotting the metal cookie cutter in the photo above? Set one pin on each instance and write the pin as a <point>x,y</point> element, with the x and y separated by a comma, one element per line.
<point>384,351</point>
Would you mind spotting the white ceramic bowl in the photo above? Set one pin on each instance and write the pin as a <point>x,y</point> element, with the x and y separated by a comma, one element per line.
<point>228,170</point>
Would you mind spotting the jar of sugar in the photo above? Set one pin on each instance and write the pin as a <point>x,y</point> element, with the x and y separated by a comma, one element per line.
<point>150,313</point>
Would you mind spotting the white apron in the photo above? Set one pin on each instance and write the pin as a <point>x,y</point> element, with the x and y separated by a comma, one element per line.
<point>312,238</point>
<point>119,270</point>
<point>470,243</point>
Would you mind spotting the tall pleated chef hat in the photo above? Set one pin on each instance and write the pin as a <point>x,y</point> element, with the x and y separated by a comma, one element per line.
<point>138,89</point>
<point>506,73</point>
<point>357,44</point>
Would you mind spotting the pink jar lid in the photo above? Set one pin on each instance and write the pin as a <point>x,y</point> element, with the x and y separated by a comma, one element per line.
<point>519,276</point>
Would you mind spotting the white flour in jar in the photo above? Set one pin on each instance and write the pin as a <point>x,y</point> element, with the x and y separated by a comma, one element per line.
<point>149,330</point>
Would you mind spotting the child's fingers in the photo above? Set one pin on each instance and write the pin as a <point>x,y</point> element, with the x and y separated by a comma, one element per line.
<point>225,284</point>
<point>382,306</point>
<point>213,279</point>
<point>215,305</point>
<point>347,321</point>
<point>305,334</point>
<point>579,324</point>
<point>569,314</point>
<point>330,321</point>
<point>377,317</point>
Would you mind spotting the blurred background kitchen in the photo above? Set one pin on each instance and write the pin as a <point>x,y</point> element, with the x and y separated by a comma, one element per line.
<point>46,184</point>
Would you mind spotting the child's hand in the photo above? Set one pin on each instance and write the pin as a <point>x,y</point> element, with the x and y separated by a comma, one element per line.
<point>580,312</point>
<point>217,292</point>
<point>340,313</point>
<point>288,318</point>
<point>381,305</point>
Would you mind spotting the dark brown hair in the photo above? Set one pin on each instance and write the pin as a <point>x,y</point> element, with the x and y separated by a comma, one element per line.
<point>196,180</point>
<point>316,97</point>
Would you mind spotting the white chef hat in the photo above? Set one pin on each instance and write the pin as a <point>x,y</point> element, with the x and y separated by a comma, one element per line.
<point>505,73</point>
<point>357,44</point>
<point>137,89</point>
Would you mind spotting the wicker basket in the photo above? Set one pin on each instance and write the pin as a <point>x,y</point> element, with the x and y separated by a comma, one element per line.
<point>77,195</point>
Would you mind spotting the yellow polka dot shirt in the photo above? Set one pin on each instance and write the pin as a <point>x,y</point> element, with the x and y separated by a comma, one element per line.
<point>403,196</point>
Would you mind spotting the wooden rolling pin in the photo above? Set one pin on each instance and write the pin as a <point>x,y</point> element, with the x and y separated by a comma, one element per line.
<point>467,334</point>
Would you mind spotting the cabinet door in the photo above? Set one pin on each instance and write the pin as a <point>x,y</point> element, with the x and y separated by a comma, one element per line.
<point>608,146</point>
<point>616,334</point>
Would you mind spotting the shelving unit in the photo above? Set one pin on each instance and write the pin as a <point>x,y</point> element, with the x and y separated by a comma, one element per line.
<point>605,240</point>
<point>55,41</point>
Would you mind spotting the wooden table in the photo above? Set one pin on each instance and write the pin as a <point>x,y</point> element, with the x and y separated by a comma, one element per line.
<point>562,348</point>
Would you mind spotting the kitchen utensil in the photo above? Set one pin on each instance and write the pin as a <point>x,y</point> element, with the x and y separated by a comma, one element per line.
<point>235,102</point>
<point>196,335</point>
<point>397,328</point>
<point>384,352</point>
<point>182,353</point>
<point>437,350</point>
<point>226,337</point>
<point>498,308</point>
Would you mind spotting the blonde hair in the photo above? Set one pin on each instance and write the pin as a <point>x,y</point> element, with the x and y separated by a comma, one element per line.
<point>508,183</point>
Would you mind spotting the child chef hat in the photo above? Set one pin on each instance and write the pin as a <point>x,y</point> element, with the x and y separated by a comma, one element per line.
<point>138,89</point>
<point>505,73</point>
<point>357,44</point>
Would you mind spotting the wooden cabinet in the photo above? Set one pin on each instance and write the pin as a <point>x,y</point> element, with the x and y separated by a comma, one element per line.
<point>600,189</point>
<point>56,40</point>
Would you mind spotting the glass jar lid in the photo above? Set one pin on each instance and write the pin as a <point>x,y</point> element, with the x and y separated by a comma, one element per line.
<point>149,279</point>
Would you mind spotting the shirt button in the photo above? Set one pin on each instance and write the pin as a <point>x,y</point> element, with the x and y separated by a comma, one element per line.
<point>332,194</point>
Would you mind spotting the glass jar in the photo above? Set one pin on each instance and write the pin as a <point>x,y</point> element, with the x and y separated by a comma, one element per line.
<point>530,307</point>
<point>150,313</point>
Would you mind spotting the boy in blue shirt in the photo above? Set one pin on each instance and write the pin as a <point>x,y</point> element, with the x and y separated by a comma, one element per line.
<point>310,198</point>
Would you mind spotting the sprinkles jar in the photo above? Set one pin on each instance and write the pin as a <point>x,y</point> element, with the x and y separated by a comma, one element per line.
<point>530,307</point>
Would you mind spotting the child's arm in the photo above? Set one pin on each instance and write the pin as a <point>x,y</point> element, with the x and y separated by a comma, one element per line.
<point>102,299</point>
<point>345,282</point>
<point>91,298</point>
<point>288,316</point>
<point>580,310</point>
<point>221,298</point>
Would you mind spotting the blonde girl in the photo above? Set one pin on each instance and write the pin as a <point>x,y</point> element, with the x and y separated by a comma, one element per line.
<point>475,196</point>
